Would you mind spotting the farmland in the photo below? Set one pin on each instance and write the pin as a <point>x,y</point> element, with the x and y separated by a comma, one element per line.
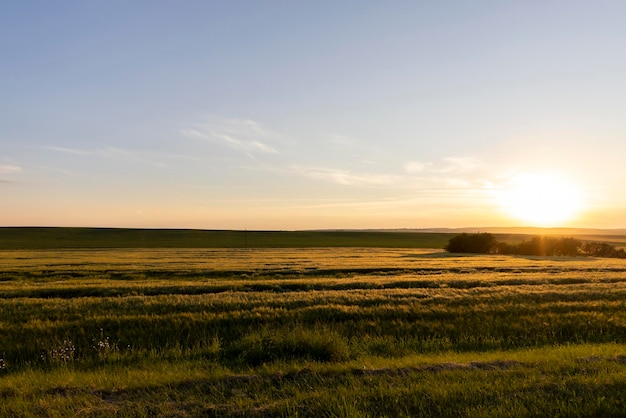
<point>304,331</point>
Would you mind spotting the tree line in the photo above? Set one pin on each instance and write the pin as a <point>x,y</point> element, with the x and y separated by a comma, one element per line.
<point>486,243</point>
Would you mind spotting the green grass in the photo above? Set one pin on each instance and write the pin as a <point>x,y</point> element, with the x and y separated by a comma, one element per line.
<point>582,380</point>
<point>309,332</point>
<point>16,238</point>
<point>57,238</point>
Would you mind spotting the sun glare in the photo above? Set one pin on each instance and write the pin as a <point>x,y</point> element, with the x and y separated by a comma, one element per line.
<point>542,199</point>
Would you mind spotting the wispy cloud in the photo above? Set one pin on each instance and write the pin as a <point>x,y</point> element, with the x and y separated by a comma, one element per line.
<point>451,176</point>
<point>345,177</point>
<point>240,134</point>
<point>453,173</point>
<point>8,169</point>
<point>231,141</point>
<point>70,151</point>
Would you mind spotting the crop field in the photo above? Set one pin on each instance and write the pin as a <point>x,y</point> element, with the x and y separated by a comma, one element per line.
<point>309,332</point>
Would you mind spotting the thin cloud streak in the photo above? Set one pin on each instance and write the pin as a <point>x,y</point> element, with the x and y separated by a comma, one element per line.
<point>450,173</point>
<point>8,169</point>
<point>70,151</point>
<point>239,134</point>
<point>232,142</point>
<point>345,177</point>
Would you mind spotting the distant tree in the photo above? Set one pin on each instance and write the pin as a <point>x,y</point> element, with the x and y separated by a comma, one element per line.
<point>602,249</point>
<point>547,246</point>
<point>484,243</point>
<point>506,249</point>
<point>567,247</point>
<point>534,246</point>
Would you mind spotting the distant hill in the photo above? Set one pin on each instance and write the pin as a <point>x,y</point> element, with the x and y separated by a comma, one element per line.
<point>530,231</point>
<point>502,230</point>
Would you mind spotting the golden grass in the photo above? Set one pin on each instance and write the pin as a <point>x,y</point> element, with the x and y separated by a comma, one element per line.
<point>278,332</point>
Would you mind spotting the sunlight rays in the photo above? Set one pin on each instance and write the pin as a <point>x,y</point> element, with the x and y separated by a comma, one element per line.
<point>542,199</point>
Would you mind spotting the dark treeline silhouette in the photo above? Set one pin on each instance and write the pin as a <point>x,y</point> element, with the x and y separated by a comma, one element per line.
<point>602,249</point>
<point>486,243</point>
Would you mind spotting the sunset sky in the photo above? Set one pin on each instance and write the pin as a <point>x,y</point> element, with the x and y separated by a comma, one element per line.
<point>320,114</point>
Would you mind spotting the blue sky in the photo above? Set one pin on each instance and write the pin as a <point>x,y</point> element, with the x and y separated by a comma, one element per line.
<point>294,115</point>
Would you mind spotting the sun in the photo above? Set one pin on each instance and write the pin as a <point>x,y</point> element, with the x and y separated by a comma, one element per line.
<point>542,199</point>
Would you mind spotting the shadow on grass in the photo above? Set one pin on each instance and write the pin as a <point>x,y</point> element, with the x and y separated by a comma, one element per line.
<point>440,254</point>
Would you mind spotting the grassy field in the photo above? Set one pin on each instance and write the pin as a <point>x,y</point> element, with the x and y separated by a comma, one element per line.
<point>309,332</point>
<point>37,238</point>
<point>57,238</point>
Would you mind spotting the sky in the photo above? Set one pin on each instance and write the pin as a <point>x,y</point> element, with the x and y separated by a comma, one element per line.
<point>294,115</point>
